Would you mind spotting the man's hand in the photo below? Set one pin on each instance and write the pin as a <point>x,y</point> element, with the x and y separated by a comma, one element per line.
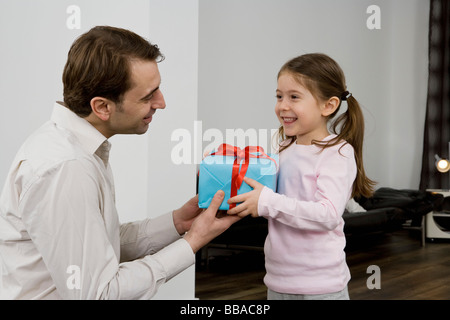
<point>208,225</point>
<point>249,205</point>
<point>184,216</point>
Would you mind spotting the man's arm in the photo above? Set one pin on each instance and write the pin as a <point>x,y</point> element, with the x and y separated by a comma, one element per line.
<point>141,238</point>
<point>61,211</point>
<point>62,216</point>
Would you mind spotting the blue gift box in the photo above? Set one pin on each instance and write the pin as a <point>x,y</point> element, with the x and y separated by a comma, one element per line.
<point>216,174</point>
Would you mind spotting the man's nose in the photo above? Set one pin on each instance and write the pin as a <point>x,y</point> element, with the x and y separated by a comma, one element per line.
<point>159,102</point>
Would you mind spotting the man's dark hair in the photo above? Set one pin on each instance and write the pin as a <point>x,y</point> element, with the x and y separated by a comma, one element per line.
<point>98,66</point>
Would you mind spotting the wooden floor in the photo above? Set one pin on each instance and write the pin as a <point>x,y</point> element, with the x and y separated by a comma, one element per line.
<point>408,271</point>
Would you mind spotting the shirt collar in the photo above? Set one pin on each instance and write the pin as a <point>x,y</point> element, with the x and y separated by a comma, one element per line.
<point>88,136</point>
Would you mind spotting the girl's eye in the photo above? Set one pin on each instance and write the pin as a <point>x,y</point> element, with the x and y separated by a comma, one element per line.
<point>294,97</point>
<point>278,97</point>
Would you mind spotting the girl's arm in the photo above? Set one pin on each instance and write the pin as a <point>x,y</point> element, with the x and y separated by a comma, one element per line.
<point>324,211</point>
<point>321,215</point>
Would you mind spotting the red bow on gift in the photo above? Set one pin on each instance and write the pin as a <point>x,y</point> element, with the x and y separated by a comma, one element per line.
<point>238,173</point>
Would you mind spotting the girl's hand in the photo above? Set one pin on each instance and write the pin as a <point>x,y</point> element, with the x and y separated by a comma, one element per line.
<point>249,205</point>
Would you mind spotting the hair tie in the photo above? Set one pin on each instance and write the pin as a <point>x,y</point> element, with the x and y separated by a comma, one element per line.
<point>345,95</point>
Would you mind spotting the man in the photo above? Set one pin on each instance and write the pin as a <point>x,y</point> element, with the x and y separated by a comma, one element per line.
<point>60,236</point>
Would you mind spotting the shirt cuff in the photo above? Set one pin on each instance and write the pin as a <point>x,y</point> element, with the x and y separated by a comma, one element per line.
<point>263,202</point>
<point>161,231</point>
<point>175,258</point>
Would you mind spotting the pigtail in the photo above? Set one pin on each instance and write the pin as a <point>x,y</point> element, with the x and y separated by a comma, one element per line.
<point>349,127</point>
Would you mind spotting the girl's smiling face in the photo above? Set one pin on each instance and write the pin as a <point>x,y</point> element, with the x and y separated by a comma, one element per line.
<point>299,112</point>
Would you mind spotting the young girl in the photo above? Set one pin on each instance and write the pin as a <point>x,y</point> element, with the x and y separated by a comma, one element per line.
<point>319,173</point>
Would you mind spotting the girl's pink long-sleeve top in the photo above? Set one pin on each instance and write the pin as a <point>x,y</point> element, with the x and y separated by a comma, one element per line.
<point>304,249</point>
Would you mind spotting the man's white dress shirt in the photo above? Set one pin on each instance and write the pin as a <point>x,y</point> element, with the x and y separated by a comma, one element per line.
<point>60,236</point>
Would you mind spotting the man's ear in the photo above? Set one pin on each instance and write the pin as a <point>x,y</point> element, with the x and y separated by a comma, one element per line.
<point>101,107</point>
<point>330,106</point>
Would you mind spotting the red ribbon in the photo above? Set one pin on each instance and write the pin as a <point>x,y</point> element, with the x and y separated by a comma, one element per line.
<point>238,173</point>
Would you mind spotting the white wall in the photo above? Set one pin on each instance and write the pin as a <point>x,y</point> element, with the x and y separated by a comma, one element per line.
<point>174,27</point>
<point>408,95</point>
<point>35,40</point>
<point>242,45</point>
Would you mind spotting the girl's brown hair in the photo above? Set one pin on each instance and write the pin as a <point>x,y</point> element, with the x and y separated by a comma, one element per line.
<point>98,66</point>
<point>321,75</point>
